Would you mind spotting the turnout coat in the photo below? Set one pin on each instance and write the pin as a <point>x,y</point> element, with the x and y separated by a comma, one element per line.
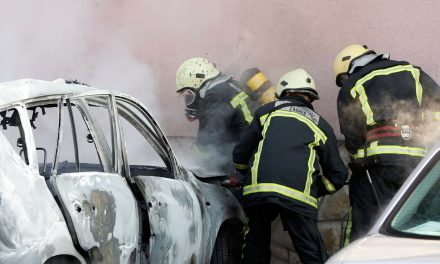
<point>285,147</point>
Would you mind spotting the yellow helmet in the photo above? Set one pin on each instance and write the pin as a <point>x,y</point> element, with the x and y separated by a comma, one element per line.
<point>344,59</point>
<point>194,72</point>
<point>299,81</point>
<point>257,86</point>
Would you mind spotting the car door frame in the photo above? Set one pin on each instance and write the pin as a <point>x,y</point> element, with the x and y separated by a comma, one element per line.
<point>85,240</point>
<point>168,199</point>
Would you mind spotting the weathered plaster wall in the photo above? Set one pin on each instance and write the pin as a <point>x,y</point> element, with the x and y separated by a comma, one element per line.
<point>136,45</point>
<point>277,36</point>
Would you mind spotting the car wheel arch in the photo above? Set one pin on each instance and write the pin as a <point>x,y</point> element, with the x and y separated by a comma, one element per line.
<point>67,259</point>
<point>228,242</point>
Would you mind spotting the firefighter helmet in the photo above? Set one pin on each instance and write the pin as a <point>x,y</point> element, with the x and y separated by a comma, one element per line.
<point>297,81</point>
<point>194,72</point>
<point>257,86</point>
<point>345,58</point>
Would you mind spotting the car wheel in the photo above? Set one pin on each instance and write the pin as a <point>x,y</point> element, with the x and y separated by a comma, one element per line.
<point>227,248</point>
<point>62,259</point>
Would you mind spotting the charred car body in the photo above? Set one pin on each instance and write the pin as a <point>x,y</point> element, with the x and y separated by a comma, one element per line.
<point>88,177</point>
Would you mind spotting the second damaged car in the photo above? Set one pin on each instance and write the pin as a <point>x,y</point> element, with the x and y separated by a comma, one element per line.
<point>87,176</point>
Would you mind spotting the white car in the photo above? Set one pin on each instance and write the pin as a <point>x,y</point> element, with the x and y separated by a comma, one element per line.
<point>87,176</point>
<point>408,231</point>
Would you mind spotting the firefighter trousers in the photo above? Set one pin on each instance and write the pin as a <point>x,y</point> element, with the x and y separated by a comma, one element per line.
<point>303,232</point>
<point>365,209</point>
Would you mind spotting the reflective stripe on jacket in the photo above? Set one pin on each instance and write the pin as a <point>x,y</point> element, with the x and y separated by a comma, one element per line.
<point>240,101</point>
<point>223,114</point>
<point>285,145</point>
<point>381,92</point>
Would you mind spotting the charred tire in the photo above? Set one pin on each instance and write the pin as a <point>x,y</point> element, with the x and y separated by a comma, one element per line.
<point>62,259</point>
<point>227,248</point>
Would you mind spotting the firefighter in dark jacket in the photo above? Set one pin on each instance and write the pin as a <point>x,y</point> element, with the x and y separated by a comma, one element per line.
<point>381,111</point>
<point>217,101</point>
<point>285,146</point>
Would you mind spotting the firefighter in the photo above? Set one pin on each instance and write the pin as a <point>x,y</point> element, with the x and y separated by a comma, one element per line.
<point>259,89</point>
<point>381,109</point>
<point>217,101</point>
<point>285,146</point>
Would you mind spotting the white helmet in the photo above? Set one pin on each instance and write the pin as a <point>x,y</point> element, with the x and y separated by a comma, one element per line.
<point>297,81</point>
<point>194,72</point>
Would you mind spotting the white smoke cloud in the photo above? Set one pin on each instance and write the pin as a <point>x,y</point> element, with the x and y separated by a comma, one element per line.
<point>69,39</point>
<point>72,40</point>
<point>44,39</point>
<point>424,129</point>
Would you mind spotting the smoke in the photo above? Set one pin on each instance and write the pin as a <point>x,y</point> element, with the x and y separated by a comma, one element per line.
<point>69,39</point>
<point>422,125</point>
<point>105,44</point>
<point>44,39</point>
<point>73,40</point>
<point>430,130</point>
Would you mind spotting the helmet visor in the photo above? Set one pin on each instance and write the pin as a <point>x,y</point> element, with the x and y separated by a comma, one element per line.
<point>189,96</point>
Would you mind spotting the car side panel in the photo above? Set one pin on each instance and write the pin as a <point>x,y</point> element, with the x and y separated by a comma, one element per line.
<point>32,228</point>
<point>103,213</point>
<point>223,206</point>
<point>175,220</point>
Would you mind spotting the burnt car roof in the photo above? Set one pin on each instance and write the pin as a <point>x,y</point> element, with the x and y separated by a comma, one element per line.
<point>19,90</point>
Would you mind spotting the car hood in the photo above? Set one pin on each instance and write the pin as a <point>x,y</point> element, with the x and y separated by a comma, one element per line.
<point>379,248</point>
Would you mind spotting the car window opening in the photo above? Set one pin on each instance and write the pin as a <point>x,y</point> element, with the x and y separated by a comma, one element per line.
<point>145,154</point>
<point>14,132</point>
<point>77,150</point>
<point>419,215</point>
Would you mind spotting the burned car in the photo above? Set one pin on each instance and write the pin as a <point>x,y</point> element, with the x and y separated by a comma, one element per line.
<point>87,176</point>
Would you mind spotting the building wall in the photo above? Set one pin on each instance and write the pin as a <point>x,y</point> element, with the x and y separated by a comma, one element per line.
<point>136,46</point>
<point>278,36</point>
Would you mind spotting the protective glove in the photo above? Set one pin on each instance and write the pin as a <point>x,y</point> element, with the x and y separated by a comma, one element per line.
<point>235,180</point>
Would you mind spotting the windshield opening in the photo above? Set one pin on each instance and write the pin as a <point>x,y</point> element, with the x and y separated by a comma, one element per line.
<point>419,214</point>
